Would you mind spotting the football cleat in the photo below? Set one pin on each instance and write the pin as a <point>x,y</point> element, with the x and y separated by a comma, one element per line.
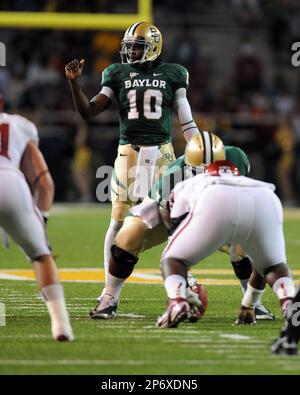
<point>177,311</point>
<point>106,308</point>
<point>283,346</point>
<point>263,314</point>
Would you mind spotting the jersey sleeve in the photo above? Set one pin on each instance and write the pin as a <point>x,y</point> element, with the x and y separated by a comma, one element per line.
<point>180,77</point>
<point>109,77</point>
<point>237,156</point>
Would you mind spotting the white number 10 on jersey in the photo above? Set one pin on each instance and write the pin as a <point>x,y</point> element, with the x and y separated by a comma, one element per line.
<point>148,95</point>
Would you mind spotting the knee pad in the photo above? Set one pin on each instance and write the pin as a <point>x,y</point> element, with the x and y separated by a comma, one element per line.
<point>242,268</point>
<point>123,257</point>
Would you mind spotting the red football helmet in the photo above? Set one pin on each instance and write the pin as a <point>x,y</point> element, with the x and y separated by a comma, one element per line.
<point>222,167</point>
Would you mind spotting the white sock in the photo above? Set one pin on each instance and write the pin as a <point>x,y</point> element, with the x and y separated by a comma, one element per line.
<point>111,233</point>
<point>252,296</point>
<point>243,284</point>
<point>284,288</point>
<point>175,286</point>
<point>259,297</point>
<point>114,285</point>
<point>53,296</point>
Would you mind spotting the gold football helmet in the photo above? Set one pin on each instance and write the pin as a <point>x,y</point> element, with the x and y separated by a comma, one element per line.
<point>203,149</point>
<point>142,42</point>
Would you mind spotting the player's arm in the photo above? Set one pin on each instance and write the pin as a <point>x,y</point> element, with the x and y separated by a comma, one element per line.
<point>87,108</point>
<point>36,171</point>
<point>183,109</point>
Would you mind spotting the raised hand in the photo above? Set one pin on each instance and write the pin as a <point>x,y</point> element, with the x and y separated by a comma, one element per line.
<point>74,69</point>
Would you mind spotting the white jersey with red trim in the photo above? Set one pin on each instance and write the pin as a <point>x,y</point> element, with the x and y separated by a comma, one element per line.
<point>186,193</point>
<point>15,133</point>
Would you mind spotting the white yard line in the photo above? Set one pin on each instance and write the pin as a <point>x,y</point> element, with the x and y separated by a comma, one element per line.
<point>235,336</point>
<point>6,276</point>
<point>124,362</point>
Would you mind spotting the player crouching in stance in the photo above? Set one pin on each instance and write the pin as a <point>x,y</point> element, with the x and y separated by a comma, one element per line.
<point>146,226</point>
<point>22,219</point>
<point>222,207</point>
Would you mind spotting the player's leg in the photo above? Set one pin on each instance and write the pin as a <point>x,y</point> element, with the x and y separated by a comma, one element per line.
<point>256,285</point>
<point>287,342</point>
<point>119,211</point>
<point>120,183</point>
<point>266,245</point>
<point>243,268</point>
<point>53,295</point>
<point>125,160</point>
<point>262,313</point>
<point>124,255</point>
<point>133,238</point>
<point>22,221</point>
<point>195,238</point>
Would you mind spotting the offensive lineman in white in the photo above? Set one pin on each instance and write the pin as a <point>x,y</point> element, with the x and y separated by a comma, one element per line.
<point>22,219</point>
<point>221,207</point>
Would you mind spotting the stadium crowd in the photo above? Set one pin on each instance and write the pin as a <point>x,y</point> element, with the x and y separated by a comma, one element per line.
<point>255,108</point>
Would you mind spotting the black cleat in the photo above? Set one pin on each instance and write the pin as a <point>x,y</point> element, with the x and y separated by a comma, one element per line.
<point>106,308</point>
<point>263,314</point>
<point>282,346</point>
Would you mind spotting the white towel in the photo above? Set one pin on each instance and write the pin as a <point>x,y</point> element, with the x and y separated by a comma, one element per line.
<point>145,170</point>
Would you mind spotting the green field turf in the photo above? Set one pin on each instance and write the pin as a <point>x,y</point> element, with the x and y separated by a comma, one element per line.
<point>131,344</point>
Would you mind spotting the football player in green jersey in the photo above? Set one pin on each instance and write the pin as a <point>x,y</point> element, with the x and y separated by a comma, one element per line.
<point>148,225</point>
<point>146,90</point>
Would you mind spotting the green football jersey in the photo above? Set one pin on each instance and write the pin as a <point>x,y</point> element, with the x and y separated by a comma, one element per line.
<point>145,99</point>
<point>178,171</point>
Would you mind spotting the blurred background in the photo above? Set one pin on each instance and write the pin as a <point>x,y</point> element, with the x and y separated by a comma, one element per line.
<point>243,86</point>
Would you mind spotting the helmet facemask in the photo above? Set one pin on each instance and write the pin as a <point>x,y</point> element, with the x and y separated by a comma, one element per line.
<point>131,47</point>
<point>192,171</point>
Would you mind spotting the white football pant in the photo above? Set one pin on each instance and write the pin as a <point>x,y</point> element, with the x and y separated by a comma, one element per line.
<point>249,216</point>
<point>19,216</point>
